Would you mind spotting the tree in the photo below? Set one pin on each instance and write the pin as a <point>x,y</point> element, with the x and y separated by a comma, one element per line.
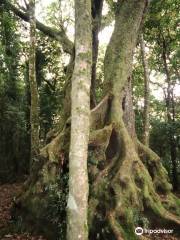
<point>34,112</point>
<point>146,93</point>
<point>77,207</point>
<point>127,179</point>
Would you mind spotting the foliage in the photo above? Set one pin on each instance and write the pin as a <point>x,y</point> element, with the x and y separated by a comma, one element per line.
<point>57,199</point>
<point>13,123</point>
<point>160,141</point>
<point>162,39</point>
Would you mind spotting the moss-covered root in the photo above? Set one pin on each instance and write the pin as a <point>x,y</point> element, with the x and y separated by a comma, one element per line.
<point>33,202</point>
<point>160,179</point>
<point>119,232</point>
<point>151,199</point>
<point>128,190</point>
<point>115,226</point>
<point>156,170</point>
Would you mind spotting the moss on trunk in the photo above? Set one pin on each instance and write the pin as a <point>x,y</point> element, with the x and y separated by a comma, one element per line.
<point>123,192</point>
<point>128,185</point>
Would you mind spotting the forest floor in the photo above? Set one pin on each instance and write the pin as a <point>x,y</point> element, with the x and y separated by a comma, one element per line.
<point>7,194</point>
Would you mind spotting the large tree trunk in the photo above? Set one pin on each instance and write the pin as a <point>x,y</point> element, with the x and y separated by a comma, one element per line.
<point>145,139</point>
<point>34,111</point>
<point>128,184</point>
<point>77,207</point>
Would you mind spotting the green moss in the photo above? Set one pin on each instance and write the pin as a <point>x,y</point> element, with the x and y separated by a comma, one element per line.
<point>172,203</point>
<point>128,233</point>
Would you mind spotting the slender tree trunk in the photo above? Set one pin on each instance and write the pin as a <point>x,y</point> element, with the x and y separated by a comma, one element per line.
<point>145,139</point>
<point>168,80</point>
<point>96,23</point>
<point>174,163</point>
<point>80,112</point>
<point>34,111</point>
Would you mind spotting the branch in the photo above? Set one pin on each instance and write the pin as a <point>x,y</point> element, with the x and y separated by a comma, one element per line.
<point>49,31</point>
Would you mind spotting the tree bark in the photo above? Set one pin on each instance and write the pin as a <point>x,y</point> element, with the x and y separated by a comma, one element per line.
<point>96,24</point>
<point>145,139</point>
<point>127,105</point>
<point>77,206</point>
<point>34,110</point>
<point>119,54</point>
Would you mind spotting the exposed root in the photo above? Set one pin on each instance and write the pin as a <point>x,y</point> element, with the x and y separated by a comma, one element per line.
<point>161,184</point>
<point>115,226</point>
<point>99,113</point>
<point>124,182</point>
<point>100,137</point>
<point>145,151</point>
<point>172,218</point>
<point>156,170</point>
<point>130,187</point>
